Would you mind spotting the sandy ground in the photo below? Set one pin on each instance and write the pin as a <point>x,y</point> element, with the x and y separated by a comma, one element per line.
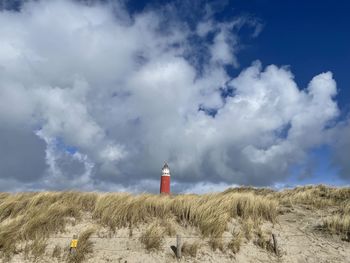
<point>298,240</point>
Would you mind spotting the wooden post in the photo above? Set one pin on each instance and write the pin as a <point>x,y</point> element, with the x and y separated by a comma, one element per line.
<point>275,248</point>
<point>178,246</point>
<point>130,229</point>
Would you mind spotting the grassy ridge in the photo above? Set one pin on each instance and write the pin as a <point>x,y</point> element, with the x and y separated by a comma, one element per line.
<point>209,213</point>
<point>32,216</point>
<point>322,197</point>
<point>28,217</point>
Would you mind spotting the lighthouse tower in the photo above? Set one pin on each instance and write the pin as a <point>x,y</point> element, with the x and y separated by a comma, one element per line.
<point>165,180</point>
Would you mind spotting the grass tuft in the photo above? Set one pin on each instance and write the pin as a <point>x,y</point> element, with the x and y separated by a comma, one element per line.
<point>190,249</point>
<point>338,224</point>
<point>38,248</point>
<point>216,243</point>
<point>84,248</point>
<point>153,237</point>
<point>235,243</point>
<point>263,240</point>
<point>57,252</point>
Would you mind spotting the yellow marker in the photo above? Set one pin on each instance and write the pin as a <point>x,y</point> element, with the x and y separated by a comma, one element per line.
<point>74,243</point>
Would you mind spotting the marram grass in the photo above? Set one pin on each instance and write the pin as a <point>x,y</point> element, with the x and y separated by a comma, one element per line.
<point>26,217</point>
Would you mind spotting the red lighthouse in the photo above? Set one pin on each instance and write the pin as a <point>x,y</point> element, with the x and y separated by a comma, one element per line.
<point>165,180</point>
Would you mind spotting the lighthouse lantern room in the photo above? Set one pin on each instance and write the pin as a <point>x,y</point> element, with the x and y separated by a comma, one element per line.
<point>165,180</point>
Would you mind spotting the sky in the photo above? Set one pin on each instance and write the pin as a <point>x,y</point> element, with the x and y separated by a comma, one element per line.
<point>96,95</point>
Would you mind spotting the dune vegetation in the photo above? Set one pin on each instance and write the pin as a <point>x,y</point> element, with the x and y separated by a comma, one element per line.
<point>337,200</point>
<point>28,219</point>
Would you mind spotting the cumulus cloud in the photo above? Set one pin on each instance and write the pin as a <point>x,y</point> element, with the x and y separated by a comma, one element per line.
<point>104,98</point>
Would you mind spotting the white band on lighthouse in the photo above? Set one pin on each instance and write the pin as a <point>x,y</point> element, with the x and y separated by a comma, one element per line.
<point>165,170</point>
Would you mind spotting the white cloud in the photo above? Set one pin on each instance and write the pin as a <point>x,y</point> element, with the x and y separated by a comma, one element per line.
<point>124,93</point>
<point>223,49</point>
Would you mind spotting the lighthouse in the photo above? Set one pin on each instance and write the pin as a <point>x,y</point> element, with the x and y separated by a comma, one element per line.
<point>165,180</point>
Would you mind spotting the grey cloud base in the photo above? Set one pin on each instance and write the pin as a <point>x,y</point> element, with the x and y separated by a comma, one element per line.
<point>104,100</point>
<point>22,155</point>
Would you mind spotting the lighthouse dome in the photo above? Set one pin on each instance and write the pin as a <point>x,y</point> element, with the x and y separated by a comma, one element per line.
<point>165,169</point>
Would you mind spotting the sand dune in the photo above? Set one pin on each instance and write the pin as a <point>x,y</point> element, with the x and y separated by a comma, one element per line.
<point>233,226</point>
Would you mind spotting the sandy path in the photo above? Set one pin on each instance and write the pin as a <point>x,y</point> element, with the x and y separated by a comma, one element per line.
<point>300,241</point>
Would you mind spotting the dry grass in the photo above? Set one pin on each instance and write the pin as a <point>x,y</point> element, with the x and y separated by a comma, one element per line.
<point>216,243</point>
<point>336,200</point>
<point>8,235</point>
<point>338,224</point>
<point>34,250</point>
<point>190,249</point>
<point>210,213</point>
<point>169,227</point>
<point>153,237</point>
<point>319,196</point>
<point>27,217</point>
<point>235,243</point>
<point>248,226</point>
<point>84,248</point>
<point>250,189</point>
<point>43,223</point>
<point>33,216</point>
<point>263,240</point>
<point>38,248</point>
<point>57,252</point>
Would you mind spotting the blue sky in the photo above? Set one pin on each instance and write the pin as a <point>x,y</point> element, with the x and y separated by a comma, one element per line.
<point>228,92</point>
<point>310,37</point>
